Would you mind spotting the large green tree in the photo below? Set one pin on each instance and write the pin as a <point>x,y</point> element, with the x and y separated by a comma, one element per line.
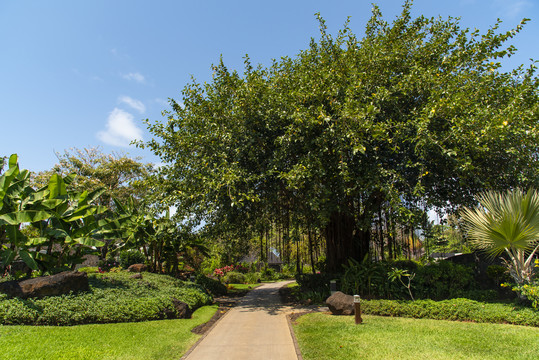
<point>415,114</point>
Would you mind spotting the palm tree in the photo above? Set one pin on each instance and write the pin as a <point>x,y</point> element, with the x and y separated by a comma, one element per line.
<point>507,222</point>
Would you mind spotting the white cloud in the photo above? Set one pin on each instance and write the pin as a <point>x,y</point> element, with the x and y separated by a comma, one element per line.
<point>133,103</point>
<point>138,77</point>
<point>512,9</point>
<point>120,129</point>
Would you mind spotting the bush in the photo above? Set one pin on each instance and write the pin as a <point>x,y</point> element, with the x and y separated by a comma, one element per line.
<point>531,292</point>
<point>315,283</point>
<point>212,286</point>
<point>268,274</point>
<point>113,297</point>
<point>252,278</point>
<point>234,277</point>
<point>454,309</point>
<point>438,281</point>
<point>288,271</point>
<point>443,280</point>
<point>130,257</point>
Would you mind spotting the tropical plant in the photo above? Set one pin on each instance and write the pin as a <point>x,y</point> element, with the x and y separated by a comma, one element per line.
<point>66,222</point>
<point>507,223</point>
<point>397,274</point>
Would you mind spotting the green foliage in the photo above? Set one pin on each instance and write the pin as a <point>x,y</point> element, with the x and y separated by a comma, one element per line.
<point>315,283</point>
<point>108,263</point>
<point>234,277</point>
<point>130,257</point>
<point>498,274</point>
<point>529,291</point>
<point>252,277</point>
<point>398,274</point>
<point>413,113</point>
<point>113,297</point>
<point>212,286</point>
<point>122,177</point>
<point>443,280</point>
<point>507,223</point>
<point>439,280</point>
<point>66,224</point>
<point>369,279</point>
<point>454,309</point>
<point>267,273</point>
<point>89,269</point>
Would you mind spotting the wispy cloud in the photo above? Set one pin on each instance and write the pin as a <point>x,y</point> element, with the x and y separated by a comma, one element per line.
<point>512,9</point>
<point>138,77</point>
<point>120,129</point>
<point>133,103</point>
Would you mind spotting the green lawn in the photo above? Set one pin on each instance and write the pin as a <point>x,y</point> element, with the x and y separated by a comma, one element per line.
<point>242,287</point>
<point>323,336</point>
<point>163,339</point>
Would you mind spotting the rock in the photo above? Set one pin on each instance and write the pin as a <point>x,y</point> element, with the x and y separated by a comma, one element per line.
<point>53,285</point>
<point>136,276</point>
<point>183,310</point>
<point>341,304</point>
<point>137,268</point>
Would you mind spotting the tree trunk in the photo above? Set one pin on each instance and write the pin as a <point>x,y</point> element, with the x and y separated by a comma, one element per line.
<point>344,241</point>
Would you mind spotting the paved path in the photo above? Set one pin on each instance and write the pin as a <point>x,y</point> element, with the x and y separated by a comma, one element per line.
<point>256,328</point>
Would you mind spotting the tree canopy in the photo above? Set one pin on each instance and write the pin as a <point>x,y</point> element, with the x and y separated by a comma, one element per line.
<point>415,114</point>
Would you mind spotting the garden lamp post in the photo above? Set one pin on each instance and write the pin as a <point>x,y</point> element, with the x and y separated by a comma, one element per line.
<point>357,309</point>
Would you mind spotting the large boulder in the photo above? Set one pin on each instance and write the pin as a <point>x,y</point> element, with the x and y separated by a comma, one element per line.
<point>53,285</point>
<point>136,268</point>
<point>341,304</point>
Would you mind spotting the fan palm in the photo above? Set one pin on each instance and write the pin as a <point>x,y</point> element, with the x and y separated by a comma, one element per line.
<point>507,222</point>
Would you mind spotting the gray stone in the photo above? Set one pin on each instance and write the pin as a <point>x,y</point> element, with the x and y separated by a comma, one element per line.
<point>136,276</point>
<point>53,285</point>
<point>341,304</point>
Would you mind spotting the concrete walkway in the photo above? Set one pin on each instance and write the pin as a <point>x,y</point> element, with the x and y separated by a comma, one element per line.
<point>256,328</point>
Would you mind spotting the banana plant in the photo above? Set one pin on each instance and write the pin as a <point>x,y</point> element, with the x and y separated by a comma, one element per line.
<point>17,208</point>
<point>67,221</point>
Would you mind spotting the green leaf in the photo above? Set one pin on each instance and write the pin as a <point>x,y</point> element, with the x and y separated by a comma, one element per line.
<point>13,160</point>
<point>88,241</point>
<point>7,257</point>
<point>57,186</point>
<point>25,216</point>
<point>28,259</point>
<point>36,241</point>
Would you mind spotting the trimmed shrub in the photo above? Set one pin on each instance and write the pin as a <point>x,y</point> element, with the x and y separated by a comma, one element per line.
<point>454,309</point>
<point>234,277</point>
<point>252,277</point>
<point>113,297</point>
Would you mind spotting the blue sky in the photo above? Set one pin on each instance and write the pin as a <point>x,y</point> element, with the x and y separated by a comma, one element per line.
<point>86,73</point>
